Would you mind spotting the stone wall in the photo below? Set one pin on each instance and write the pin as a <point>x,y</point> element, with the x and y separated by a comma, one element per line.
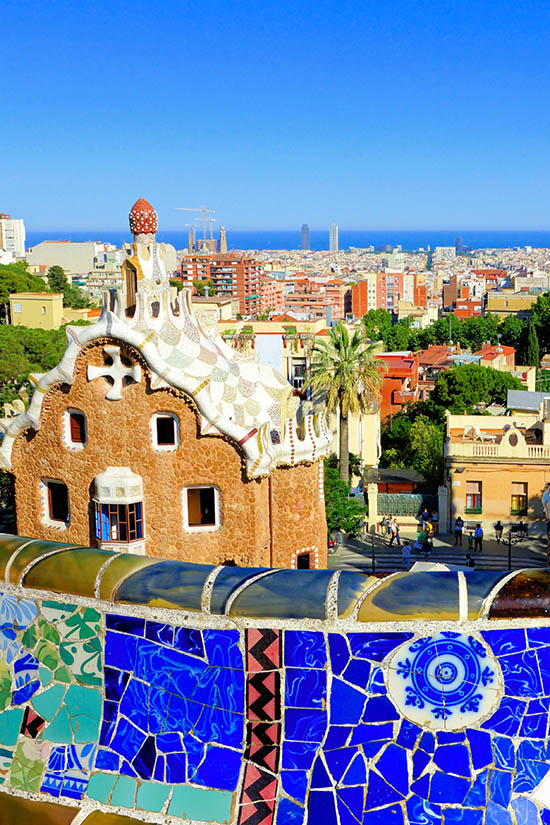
<point>162,690</point>
<point>246,535</point>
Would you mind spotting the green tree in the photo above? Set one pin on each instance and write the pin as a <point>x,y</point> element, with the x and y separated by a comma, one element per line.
<point>540,316</point>
<point>344,369</point>
<point>57,280</point>
<point>205,287</point>
<point>415,440</point>
<point>464,388</point>
<point>343,513</point>
<point>177,283</point>
<point>377,324</point>
<point>72,296</point>
<point>532,351</point>
<point>16,278</point>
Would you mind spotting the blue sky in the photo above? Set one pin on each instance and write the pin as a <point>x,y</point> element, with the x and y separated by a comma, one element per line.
<point>371,113</point>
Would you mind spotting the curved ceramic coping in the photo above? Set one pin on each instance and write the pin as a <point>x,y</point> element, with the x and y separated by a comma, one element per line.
<point>331,595</point>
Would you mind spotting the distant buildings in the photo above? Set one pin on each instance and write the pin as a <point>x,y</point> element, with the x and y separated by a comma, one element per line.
<point>12,235</point>
<point>232,274</point>
<point>223,240</point>
<point>333,237</point>
<point>384,290</point>
<point>305,236</point>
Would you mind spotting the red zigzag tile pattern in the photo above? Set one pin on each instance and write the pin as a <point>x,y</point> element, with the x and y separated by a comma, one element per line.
<point>264,650</point>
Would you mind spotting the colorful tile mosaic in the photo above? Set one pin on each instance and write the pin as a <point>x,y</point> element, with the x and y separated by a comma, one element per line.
<point>325,722</point>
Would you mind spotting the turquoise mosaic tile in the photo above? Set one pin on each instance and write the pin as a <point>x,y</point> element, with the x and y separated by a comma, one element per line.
<point>197,803</point>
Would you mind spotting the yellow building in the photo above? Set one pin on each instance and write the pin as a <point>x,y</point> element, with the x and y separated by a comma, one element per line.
<point>508,302</point>
<point>41,310</point>
<point>498,467</point>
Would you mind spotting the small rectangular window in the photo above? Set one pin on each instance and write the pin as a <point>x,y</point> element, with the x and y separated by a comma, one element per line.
<point>303,562</point>
<point>518,504</point>
<point>166,430</point>
<point>77,422</point>
<point>58,501</point>
<point>201,507</point>
<point>119,522</point>
<point>473,496</point>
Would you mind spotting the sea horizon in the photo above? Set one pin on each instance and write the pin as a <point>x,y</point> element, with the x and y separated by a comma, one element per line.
<point>290,239</point>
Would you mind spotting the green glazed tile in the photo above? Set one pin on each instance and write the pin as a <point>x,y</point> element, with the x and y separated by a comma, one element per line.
<point>9,545</point>
<point>10,725</point>
<point>59,730</point>
<point>84,706</point>
<point>351,586</point>
<point>412,597</point>
<point>26,772</point>
<point>151,796</point>
<point>292,594</point>
<point>123,566</point>
<point>124,793</point>
<point>16,810</point>
<point>100,786</point>
<point>199,803</point>
<point>74,571</point>
<point>45,675</point>
<point>174,584</point>
<point>33,551</point>
<point>48,703</point>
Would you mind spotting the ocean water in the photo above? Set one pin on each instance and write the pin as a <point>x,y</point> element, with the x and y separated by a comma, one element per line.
<point>290,239</point>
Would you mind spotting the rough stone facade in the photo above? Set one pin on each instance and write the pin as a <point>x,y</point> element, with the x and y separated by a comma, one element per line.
<point>264,521</point>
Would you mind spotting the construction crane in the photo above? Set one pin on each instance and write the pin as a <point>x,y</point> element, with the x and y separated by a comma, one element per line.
<point>202,209</point>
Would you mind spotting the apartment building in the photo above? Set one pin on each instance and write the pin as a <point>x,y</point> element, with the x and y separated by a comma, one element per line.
<point>12,235</point>
<point>232,274</point>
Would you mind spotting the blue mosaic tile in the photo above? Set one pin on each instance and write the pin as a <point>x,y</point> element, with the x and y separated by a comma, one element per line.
<point>222,648</point>
<point>106,761</point>
<point>521,674</point>
<point>305,648</point>
<point>375,646</point>
<point>447,737</point>
<point>393,765</point>
<point>346,703</point>
<point>189,641</point>
<point>295,784</point>
<point>337,736</point>
<point>135,703</point>
<point>528,775</point>
<point>292,594</point>
<point>453,759</point>
<point>420,760</point>
<point>380,709</point>
<point>144,761</point>
<point>526,811</point>
<point>505,756</point>
<point>507,718</point>
<point>500,787</point>
<point>545,817</point>
<point>502,642</point>
<point>115,683</point>
<point>393,814</point>
<point>380,792</point>
<point>319,776</point>
<point>299,755</point>
<point>339,652</point>
<point>305,725</point>
<point>175,583</point>
<point>463,816</point>
<point>289,813</point>
<point>227,581</point>
<point>305,687</point>
<point>538,636</point>
<point>176,766</point>
<point>541,705</point>
<point>356,774</point>
<point>161,633</point>
<point>451,789</point>
<point>168,742</point>
<point>376,682</point>
<point>408,734</point>
<point>125,624</point>
<point>338,762</point>
<point>371,733</point>
<point>321,807</point>
<point>534,726</point>
<point>422,786</point>
<point>221,726</point>
<point>358,673</point>
<point>350,805</point>
<point>159,769</point>
<point>127,739</point>
<point>480,747</point>
<point>120,651</point>
<point>427,743</point>
<point>532,750</point>
<point>477,796</point>
<point>420,812</point>
<point>543,655</point>
<point>496,815</point>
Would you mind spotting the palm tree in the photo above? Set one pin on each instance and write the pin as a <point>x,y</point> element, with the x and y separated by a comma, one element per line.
<point>345,370</point>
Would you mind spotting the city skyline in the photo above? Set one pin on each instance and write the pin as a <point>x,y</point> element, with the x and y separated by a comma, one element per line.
<point>376,140</point>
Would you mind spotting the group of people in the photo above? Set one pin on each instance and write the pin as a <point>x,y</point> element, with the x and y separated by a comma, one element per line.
<point>478,535</point>
<point>427,528</point>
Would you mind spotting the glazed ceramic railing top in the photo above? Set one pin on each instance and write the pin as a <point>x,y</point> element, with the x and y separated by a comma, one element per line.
<point>250,592</point>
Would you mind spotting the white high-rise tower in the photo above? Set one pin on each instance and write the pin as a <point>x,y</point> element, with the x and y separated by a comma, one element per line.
<point>333,237</point>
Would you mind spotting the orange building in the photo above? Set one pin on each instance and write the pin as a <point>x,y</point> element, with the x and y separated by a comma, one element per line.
<point>151,436</point>
<point>400,386</point>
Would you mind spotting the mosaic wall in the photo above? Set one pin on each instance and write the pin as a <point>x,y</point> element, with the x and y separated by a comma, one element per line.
<point>333,722</point>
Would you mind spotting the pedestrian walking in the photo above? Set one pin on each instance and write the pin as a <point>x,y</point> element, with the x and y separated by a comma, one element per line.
<point>394,530</point>
<point>406,554</point>
<point>389,521</point>
<point>459,527</point>
<point>425,516</point>
<point>435,522</point>
<point>478,538</point>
